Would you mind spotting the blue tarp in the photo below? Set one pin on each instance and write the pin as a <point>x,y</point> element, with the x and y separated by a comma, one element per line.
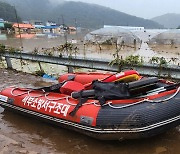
<point>39,26</point>
<point>50,27</point>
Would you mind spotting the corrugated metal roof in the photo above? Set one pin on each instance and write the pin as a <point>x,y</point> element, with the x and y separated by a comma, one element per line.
<point>23,25</point>
<point>51,27</point>
<point>1,20</point>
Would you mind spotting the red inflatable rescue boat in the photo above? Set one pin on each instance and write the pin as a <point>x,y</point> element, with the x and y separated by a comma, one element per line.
<point>86,78</point>
<point>140,108</point>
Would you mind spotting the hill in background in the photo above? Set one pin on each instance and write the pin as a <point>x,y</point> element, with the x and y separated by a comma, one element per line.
<point>7,12</point>
<point>31,9</point>
<point>170,20</point>
<point>85,15</point>
<point>91,15</point>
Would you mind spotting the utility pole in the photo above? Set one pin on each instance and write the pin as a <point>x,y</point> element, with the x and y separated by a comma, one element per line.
<point>75,23</point>
<point>70,69</point>
<point>18,28</point>
<point>76,28</point>
<point>65,34</point>
<point>59,21</point>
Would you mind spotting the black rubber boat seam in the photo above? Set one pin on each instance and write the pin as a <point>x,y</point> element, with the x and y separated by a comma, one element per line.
<point>94,129</point>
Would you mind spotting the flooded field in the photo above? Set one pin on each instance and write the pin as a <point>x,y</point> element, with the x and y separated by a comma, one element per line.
<point>20,134</point>
<point>29,42</point>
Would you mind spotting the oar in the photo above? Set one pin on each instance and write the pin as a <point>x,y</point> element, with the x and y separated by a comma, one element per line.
<point>161,89</point>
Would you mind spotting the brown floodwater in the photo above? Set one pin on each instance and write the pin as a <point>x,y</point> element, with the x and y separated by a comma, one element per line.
<point>29,42</point>
<point>21,134</point>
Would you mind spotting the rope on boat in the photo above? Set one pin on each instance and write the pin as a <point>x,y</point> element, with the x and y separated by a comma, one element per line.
<point>37,95</point>
<point>68,101</point>
<point>167,99</point>
<point>144,100</point>
<point>49,99</point>
<point>27,91</point>
<point>12,92</point>
<point>125,106</point>
<point>95,102</point>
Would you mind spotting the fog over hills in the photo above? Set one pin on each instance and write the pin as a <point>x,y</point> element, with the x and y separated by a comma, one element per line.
<point>170,20</point>
<point>7,12</point>
<point>85,15</point>
<point>31,9</point>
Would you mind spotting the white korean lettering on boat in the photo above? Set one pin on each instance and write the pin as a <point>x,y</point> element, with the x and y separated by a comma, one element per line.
<point>25,99</point>
<point>50,106</point>
<point>58,108</point>
<point>34,102</point>
<point>40,102</point>
<point>45,105</point>
<point>61,108</point>
<point>65,109</point>
<point>30,101</point>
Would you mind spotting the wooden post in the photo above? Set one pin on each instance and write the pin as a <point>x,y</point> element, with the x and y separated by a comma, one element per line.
<point>70,69</point>
<point>8,62</point>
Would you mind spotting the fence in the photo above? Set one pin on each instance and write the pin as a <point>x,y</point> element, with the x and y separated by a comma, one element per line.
<point>172,71</point>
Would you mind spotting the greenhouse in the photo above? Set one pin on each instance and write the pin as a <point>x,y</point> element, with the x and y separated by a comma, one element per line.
<point>171,37</point>
<point>112,36</point>
<point>168,41</point>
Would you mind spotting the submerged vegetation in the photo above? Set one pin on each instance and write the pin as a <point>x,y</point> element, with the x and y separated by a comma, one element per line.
<point>161,61</point>
<point>71,51</point>
<point>2,48</point>
<point>67,49</point>
<point>128,61</point>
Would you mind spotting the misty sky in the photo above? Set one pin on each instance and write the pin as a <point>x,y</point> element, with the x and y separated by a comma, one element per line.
<point>141,8</point>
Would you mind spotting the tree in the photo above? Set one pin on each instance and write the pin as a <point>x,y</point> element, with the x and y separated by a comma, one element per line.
<point>7,26</point>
